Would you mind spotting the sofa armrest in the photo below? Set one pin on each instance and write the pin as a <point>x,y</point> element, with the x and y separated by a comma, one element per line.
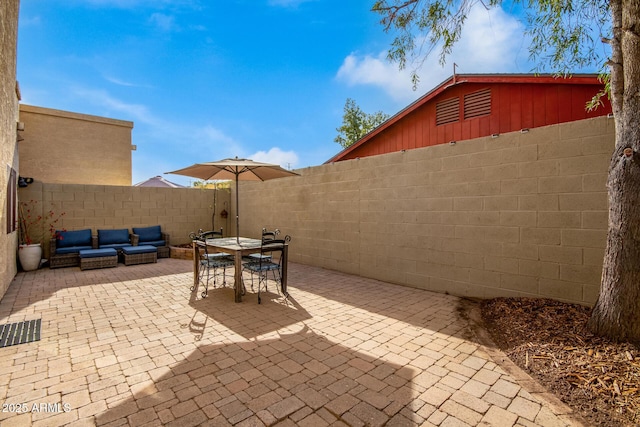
<point>135,239</point>
<point>165,237</point>
<point>53,244</point>
<point>94,242</point>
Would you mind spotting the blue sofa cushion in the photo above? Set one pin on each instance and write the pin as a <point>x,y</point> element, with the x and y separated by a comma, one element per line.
<point>113,238</point>
<point>148,234</point>
<point>71,250</point>
<point>131,250</point>
<point>68,239</point>
<point>97,253</point>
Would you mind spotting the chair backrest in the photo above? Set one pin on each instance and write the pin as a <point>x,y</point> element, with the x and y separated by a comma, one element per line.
<point>202,236</point>
<point>205,235</point>
<point>269,235</point>
<point>272,247</point>
<point>211,235</point>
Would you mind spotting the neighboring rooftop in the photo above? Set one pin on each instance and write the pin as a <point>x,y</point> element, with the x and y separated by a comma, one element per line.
<point>468,106</point>
<point>158,181</point>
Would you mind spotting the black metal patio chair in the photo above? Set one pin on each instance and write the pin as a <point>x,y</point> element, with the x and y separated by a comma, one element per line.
<point>212,262</point>
<point>266,237</point>
<point>270,260</point>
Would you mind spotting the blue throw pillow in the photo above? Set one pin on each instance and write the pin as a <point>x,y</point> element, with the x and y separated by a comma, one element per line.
<point>68,239</point>
<point>110,237</point>
<point>148,234</point>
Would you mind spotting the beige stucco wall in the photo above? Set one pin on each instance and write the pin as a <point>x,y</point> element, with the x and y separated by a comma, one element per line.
<point>516,215</point>
<point>178,211</point>
<point>62,147</point>
<point>8,145</point>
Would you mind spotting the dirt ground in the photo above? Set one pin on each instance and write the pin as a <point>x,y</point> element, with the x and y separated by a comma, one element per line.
<point>598,378</point>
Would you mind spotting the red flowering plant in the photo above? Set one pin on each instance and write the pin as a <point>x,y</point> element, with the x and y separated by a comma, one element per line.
<point>36,223</point>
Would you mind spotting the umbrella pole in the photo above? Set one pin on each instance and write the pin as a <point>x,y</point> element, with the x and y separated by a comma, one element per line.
<point>215,197</point>
<point>237,212</point>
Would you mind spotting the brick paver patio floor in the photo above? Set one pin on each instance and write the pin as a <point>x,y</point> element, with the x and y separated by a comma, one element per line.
<point>133,346</point>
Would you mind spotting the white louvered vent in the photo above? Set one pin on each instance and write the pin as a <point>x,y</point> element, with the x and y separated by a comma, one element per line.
<point>448,111</point>
<point>477,104</point>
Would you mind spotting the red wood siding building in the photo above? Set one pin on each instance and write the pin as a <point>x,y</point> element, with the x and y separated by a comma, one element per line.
<point>471,106</point>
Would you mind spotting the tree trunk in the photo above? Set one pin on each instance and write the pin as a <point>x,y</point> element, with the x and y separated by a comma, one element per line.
<point>616,313</point>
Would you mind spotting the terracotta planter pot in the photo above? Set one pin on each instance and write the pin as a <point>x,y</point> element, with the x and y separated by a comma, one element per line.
<point>30,256</point>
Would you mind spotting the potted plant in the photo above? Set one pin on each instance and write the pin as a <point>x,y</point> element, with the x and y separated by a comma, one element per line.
<point>35,225</point>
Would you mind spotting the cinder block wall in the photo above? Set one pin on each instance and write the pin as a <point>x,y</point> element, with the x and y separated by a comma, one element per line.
<point>178,211</point>
<point>522,214</point>
<point>516,215</point>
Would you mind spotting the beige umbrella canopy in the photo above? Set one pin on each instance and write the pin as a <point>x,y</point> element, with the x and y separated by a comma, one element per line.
<point>235,169</point>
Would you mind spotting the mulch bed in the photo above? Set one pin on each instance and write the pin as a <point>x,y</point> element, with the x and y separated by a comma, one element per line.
<point>596,377</point>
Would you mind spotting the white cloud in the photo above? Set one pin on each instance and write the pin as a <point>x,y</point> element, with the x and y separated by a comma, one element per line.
<point>163,22</point>
<point>286,159</point>
<point>131,112</point>
<point>187,141</point>
<point>119,82</point>
<point>214,144</point>
<point>203,141</point>
<point>215,135</point>
<point>288,3</point>
<point>376,71</point>
<point>30,21</point>
<point>491,42</point>
<point>132,4</point>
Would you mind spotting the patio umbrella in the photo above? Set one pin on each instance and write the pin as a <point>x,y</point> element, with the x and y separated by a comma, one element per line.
<point>235,169</point>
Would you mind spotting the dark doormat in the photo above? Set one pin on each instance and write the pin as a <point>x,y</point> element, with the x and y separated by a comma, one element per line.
<point>20,332</point>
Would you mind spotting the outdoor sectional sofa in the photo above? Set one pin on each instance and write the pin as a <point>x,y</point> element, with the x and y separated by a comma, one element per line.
<point>115,239</point>
<point>64,249</point>
<point>153,236</point>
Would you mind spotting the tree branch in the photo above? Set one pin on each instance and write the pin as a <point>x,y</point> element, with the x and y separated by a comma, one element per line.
<point>392,11</point>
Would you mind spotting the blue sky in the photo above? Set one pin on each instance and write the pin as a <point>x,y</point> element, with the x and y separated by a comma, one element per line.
<point>203,80</point>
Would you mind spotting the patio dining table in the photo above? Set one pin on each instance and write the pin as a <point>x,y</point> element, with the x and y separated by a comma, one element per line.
<point>238,247</point>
